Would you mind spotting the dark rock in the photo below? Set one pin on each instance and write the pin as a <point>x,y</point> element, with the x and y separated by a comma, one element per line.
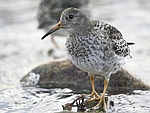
<point>61,73</point>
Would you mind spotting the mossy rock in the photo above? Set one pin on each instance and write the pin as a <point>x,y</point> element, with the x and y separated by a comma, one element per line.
<point>61,73</point>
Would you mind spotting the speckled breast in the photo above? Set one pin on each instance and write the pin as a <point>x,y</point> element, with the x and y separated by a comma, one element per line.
<point>93,54</point>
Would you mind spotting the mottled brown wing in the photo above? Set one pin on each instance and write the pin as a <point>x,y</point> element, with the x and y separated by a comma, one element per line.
<point>119,45</point>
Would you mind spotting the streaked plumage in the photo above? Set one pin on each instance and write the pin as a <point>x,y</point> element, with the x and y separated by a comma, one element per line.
<point>93,46</point>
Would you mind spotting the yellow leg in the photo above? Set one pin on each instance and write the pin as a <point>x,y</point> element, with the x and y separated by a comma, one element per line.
<point>94,94</point>
<point>102,98</point>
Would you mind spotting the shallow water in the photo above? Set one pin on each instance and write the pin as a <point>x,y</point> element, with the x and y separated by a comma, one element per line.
<point>21,50</point>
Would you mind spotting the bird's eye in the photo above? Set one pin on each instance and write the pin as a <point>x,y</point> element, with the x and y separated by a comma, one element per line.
<point>70,16</point>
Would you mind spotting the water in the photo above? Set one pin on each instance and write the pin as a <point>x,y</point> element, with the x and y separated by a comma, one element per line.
<point>21,50</point>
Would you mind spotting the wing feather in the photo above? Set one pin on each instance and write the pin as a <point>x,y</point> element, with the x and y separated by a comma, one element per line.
<point>119,45</point>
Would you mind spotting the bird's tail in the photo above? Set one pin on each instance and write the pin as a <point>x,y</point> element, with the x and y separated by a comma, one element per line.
<point>130,43</point>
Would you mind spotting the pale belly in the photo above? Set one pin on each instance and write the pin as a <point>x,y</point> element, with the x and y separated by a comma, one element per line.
<point>95,65</point>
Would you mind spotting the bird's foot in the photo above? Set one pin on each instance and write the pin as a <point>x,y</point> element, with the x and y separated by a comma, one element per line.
<point>94,99</point>
<point>100,103</point>
<point>94,94</point>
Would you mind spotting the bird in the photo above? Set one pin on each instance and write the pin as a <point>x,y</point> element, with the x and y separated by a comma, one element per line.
<point>50,10</point>
<point>93,46</point>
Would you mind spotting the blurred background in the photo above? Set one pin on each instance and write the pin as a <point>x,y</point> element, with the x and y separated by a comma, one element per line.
<point>21,47</point>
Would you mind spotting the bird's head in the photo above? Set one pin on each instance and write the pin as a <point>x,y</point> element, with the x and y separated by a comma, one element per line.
<point>72,19</point>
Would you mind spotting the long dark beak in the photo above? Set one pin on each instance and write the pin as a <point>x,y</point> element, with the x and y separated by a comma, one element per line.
<point>55,28</point>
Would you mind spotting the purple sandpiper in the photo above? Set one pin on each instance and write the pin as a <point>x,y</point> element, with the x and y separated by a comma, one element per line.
<point>93,46</point>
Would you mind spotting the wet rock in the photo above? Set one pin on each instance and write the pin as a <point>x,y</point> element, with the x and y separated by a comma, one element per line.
<point>61,73</point>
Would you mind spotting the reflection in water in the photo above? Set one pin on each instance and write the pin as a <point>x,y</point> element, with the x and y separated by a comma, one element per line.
<point>22,49</point>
